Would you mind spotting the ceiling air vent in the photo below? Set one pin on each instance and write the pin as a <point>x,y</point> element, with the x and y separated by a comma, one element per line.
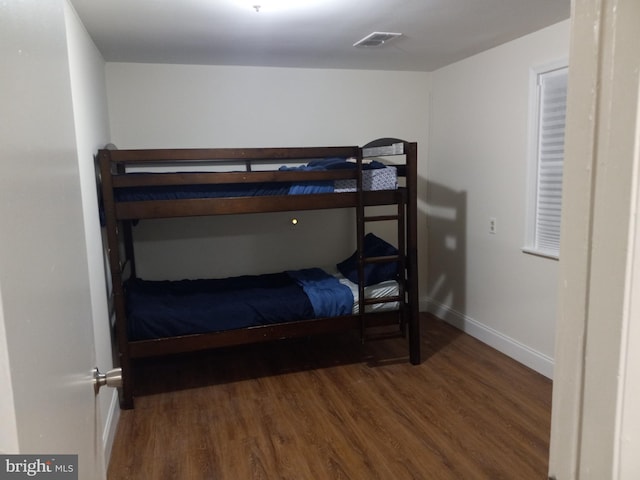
<point>376,39</point>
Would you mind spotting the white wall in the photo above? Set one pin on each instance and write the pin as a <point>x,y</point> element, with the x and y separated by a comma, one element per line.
<point>213,106</point>
<point>89,97</point>
<point>478,154</point>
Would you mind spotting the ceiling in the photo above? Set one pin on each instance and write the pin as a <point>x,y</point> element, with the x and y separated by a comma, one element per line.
<point>310,33</point>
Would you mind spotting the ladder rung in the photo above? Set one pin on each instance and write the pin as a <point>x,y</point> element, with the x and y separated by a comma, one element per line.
<point>374,301</point>
<point>381,218</point>
<point>382,259</point>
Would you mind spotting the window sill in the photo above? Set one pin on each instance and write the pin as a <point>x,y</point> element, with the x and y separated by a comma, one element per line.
<point>540,253</point>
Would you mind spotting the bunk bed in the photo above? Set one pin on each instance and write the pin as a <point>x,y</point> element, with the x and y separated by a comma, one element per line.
<point>376,288</point>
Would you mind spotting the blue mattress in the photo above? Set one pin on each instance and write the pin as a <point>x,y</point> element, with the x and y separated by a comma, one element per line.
<point>158,309</point>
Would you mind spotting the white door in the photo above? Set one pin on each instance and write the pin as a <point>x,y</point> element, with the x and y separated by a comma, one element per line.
<point>44,284</point>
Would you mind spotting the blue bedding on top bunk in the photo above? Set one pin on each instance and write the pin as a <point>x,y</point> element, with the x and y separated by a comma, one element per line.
<point>157,309</point>
<point>180,192</point>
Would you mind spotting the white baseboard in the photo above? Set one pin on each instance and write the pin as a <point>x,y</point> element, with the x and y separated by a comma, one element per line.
<point>520,352</point>
<point>111,424</point>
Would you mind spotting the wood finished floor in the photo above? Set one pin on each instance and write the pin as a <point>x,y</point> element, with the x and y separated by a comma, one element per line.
<point>331,408</point>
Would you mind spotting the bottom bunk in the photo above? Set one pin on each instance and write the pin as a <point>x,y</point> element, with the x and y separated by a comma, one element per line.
<point>160,309</point>
<point>380,316</point>
<point>168,317</point>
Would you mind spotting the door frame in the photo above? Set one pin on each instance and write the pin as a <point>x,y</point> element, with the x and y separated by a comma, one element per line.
<point>596,381</point>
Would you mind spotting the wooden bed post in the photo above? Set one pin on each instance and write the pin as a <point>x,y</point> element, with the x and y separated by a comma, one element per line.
<point>412,252</point>
<point>115,266</point>
<point>360,233</point>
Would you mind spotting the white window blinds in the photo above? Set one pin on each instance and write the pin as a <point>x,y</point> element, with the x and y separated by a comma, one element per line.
<point>552,106</point>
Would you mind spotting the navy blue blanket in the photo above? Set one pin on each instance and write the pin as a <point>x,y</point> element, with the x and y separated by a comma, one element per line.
<point>181,192</point>
<point>327,295</point>
<point>157,309</point>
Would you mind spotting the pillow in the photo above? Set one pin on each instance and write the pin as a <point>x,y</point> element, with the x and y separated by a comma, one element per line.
<point>373,272</point>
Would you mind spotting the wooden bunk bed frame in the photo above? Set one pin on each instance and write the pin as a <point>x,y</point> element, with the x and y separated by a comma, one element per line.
<point>120,215</point>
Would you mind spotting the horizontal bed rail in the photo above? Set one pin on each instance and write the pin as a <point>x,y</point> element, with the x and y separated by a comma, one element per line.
<point>142,156</point>
<point>264,333</point>
<point>259,204</point>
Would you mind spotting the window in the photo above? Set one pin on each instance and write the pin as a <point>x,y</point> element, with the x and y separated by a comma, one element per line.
<point>549,105</point>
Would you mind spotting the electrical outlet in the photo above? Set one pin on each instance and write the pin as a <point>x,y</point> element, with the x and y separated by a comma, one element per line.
<point>492,225</point>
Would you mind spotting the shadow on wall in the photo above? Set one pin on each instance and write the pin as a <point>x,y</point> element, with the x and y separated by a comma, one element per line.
<point>446,256</point>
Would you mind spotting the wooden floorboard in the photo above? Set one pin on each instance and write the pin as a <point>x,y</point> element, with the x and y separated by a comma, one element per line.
<point>331,408</point>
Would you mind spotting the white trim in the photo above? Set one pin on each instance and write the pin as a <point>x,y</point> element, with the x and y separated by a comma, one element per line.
<point>514,349</point>
<point>111,425</point>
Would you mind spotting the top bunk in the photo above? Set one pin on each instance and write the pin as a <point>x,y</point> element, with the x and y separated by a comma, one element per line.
<point>164,183</point>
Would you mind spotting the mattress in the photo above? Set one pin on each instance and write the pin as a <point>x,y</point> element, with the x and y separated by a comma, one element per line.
<point>160,309</point>
<point>375,176</point>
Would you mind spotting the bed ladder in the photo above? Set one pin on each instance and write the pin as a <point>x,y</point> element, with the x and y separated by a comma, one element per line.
<point>361,220</point>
